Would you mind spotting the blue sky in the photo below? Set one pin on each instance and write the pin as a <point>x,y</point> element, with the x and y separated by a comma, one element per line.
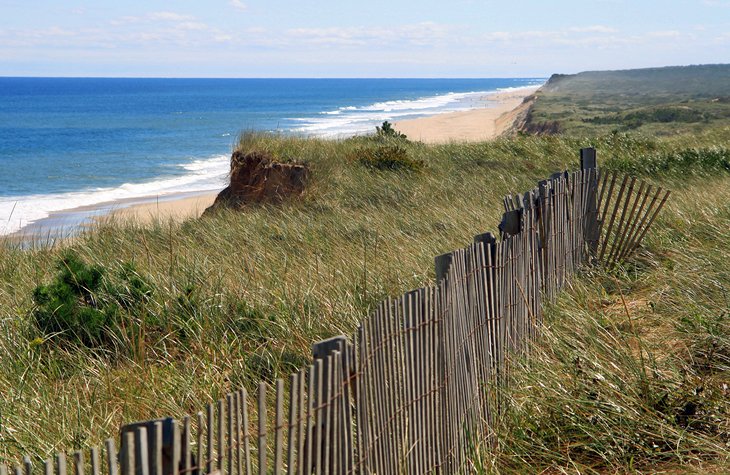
<point>374,38</point>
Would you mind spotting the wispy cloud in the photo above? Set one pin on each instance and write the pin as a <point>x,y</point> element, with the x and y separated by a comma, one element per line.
<point>420,34</point>
<point>238,5</point>
<point>593,29</point>
<point>154,17</point>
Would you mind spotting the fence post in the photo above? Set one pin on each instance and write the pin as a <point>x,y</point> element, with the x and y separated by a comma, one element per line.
<point>442,264</point>
<point>167,452</point>
<point>511,223</point>
<point>343,432</point>
<point>589,165</point>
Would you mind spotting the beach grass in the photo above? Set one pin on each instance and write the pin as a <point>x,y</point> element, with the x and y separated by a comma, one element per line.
<point>238,297</point>
<point>666,101</point>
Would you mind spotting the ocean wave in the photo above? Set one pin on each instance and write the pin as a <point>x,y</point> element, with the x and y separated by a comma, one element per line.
<point>351,120</point>
<point>200,175</point>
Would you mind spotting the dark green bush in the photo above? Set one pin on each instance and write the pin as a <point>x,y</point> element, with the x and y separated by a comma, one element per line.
<point>83,305</point>
<point>387,157</point>
<point>387,131</point>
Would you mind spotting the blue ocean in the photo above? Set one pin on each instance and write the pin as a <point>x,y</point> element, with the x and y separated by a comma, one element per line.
<point>68,143</point>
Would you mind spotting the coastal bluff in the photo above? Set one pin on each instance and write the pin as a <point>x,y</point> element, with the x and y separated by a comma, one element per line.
<point>257,177</point>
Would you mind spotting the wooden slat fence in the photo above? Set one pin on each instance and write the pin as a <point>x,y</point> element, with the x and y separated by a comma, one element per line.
<point>412,390</point>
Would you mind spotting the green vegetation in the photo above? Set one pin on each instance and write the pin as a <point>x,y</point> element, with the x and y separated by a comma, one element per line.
<point>657,101</point>
<point>631,372</point>
<point>82,305</point>
<point>387,157</point>
<point>387,131</point>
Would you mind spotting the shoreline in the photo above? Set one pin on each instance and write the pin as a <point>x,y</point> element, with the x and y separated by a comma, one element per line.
<point>492,119</point>
<point>495,115</point>
<point>144,210</point>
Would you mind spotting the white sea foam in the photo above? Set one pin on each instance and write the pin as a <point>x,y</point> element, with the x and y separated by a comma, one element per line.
<point>199,175</point>
<point>210,174</point>
<point>351,120</point>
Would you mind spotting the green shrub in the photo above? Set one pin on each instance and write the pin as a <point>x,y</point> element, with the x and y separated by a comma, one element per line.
<point>387,157</point>
<point>387,131</point>
<point>83,305</point>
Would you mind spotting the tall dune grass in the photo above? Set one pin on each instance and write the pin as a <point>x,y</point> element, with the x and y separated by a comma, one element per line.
<point>240,296</point>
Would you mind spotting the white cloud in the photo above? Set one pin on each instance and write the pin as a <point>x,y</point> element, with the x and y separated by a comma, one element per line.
<point>420,34</point>
<point>593,29</point>
<point>664,34</point>
<point>238,5</point>
<point>154,17</point>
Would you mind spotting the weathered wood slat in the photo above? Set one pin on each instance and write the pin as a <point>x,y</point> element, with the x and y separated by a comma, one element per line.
<point>262,429</point>
<point>279,427</point>
<point>111,457</point>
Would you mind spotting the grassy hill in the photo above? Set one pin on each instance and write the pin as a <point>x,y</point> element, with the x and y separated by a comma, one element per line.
<point>657,101</point>
<point>631,374</point>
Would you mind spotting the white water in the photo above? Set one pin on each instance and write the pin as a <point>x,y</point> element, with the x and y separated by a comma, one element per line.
<point>210,174</point>
<point>200,175</point>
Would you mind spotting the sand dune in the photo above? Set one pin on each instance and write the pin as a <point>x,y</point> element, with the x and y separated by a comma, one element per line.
<point>493,117</point>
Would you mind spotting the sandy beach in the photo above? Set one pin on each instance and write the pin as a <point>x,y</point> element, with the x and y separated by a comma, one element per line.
<point>177,209</point>
<point>493,116</point>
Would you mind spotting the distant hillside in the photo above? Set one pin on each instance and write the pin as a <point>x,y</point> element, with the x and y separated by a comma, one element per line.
<point>670,100</point>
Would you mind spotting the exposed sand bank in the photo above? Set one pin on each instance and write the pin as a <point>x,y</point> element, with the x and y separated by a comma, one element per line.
<point>493,118</point>
<point>494,115</point>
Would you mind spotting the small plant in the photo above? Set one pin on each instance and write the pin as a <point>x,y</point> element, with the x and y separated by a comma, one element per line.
<point>82,305</point>
<point>387,131</point>
<point>388,157</point>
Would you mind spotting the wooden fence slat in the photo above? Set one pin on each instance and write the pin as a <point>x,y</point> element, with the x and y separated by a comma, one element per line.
<point>293,424</point>
<point>651,221</point>
<point>141,454</point>
<point>262,429</point>
<point>319,416</point>
<point>237,431</point>
<point>210,458</point>
<point>246,435</point>
<point>309,435</point>
<point>221,436</point>
<point>616,205</point>
<point>61,461</point>
<point>155,440</point>
<point>176,450</point>
<point>622,231</point>
<point>127,456</point>
<point>79,463</point>
<point>279,427</point>
<point>187,459</point>
<point>200,428</point>
<point>326,403</point>
<point>303,421</point>
<point>111,457</point>
<point>95,465</point>
<point>230,444</point>
<point>635,220</point>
